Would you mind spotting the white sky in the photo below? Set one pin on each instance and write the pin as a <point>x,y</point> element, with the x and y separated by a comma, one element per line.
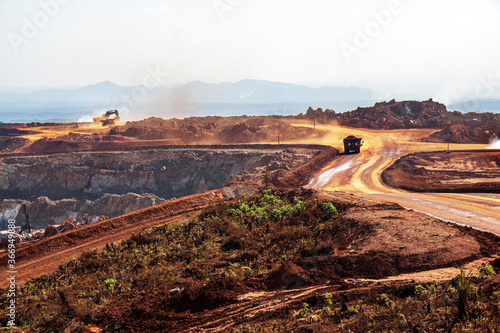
<point>454,42</point>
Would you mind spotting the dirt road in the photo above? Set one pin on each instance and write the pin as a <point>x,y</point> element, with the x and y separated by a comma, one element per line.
<point>360,174</point>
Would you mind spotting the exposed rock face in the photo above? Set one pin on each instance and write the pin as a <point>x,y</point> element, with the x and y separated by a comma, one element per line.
<point>44,211</point>
<point>75,185</point>
<point>9,209</point>
<point>113,205</point>
<point>165,172</point>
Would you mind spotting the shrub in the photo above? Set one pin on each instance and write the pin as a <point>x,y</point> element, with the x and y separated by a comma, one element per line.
<point>110,284</point>
<point>329,209</point>
<point>486,270</point>
<point>466,291</point>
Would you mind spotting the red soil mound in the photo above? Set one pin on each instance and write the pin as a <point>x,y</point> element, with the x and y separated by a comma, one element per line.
<point>456,171</point>
<point>287,276</point>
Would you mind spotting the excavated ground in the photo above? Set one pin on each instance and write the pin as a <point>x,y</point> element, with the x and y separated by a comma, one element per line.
<point>384,240</point>
<point>447,171</point>
<point>387,248</point>
<point>69,185</point>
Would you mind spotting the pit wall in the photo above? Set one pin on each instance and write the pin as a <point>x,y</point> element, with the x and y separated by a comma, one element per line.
<point>72,185</point>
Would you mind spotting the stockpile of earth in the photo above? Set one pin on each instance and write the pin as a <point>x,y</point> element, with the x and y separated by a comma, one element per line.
<point>455,126</point>
<point>456,171</point>
<point>472,132</point>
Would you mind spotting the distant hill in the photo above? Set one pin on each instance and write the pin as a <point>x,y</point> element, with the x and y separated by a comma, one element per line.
<point>194,98</point>
<point>244,91</point>
<point>477,105</point>
<point>103,91</point>
<point>257,91</point>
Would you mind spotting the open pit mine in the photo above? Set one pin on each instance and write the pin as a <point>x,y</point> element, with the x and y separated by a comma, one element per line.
<point>240,221</point>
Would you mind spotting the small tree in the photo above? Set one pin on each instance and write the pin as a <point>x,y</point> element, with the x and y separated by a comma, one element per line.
<point>466,292</point>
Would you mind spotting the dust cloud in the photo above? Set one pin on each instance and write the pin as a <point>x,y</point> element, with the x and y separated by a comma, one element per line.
<point>495,143</point>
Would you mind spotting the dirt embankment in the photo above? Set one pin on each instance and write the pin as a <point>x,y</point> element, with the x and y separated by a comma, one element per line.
<point>153,132</point>
<point>455,127</point>
<point>76,239</point>
<point>221,130</point>
<point>300,176</point>
<point>10,137</point>
<point>74,142</point>
<point>454,171</point>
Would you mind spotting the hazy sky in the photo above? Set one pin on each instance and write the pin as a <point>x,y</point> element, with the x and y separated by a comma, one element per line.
<point>366,42</point>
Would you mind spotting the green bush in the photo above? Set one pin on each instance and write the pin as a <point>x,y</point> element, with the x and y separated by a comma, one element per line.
<point>110,284</point>
<point>486,270</point>
<point>329,209</point>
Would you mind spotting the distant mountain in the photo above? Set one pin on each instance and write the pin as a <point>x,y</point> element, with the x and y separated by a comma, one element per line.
<point>103,91</point>
<point>252,97</point>
<point>476,105</point>
<point>265,92</point>
<point>244,91</point>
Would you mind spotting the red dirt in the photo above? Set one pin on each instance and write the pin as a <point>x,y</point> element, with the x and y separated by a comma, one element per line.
<point>287,276</point>
<point>454,172</point>
<point>61,247</point>
<point>215,293</point>
<point>450,126</point>
<point>383,240</point>
<point>215,130</point>
<point>60,145</point>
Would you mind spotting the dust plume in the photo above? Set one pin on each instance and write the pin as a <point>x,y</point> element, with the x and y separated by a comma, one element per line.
<point>495,143</point>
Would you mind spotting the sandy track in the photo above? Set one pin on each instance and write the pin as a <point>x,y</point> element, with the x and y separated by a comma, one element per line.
<point>360,174</point>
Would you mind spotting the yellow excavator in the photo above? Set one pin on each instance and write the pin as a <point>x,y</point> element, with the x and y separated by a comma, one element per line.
<point>105,119</point>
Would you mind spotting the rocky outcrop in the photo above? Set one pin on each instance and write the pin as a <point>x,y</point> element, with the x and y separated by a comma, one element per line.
<point>455,126</point>
<point>44,211</point>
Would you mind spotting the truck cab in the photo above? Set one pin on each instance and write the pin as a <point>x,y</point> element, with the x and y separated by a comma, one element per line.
<point>352,144</point>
